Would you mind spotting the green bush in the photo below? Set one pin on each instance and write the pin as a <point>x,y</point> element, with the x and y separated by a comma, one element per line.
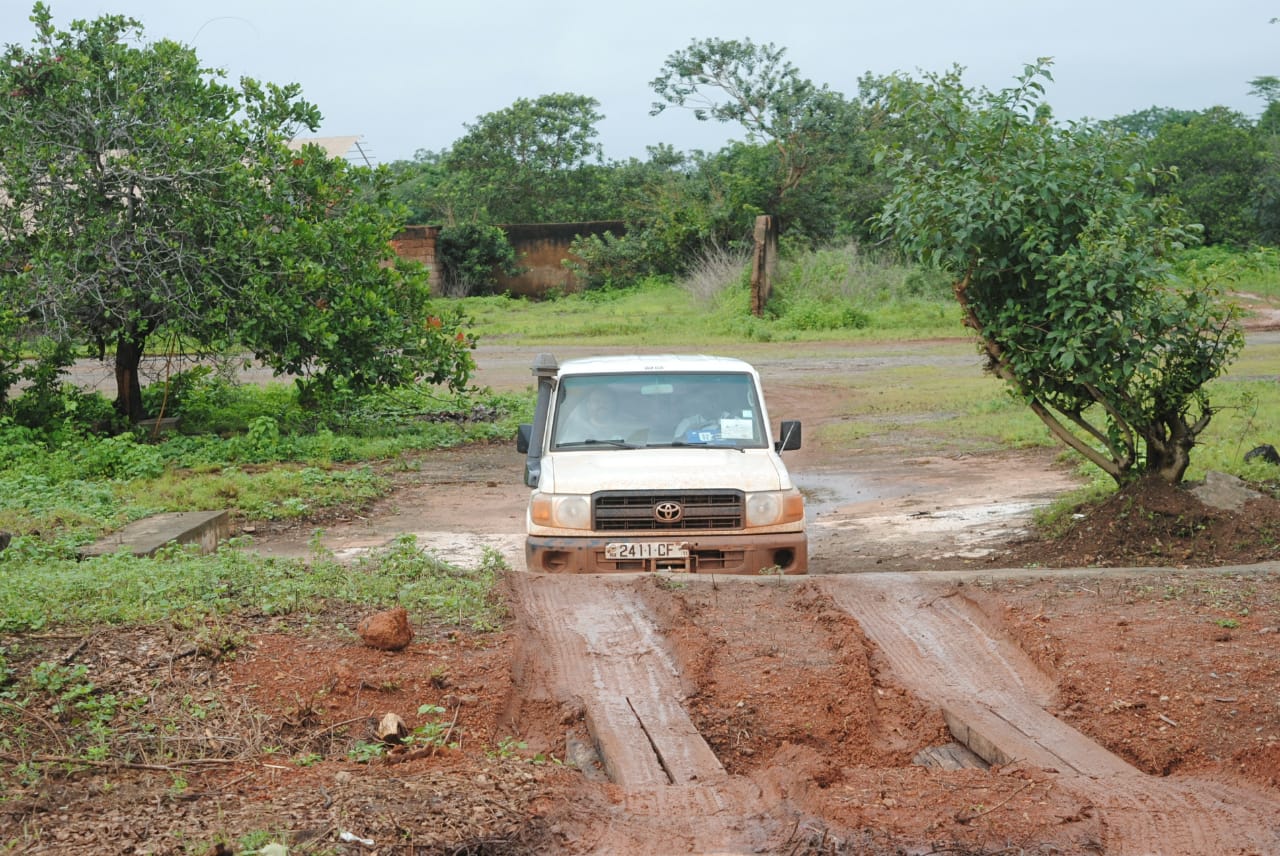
<point>470,256</point>
<point>18,443</point>
<point>209,403</point>
<point>183,393</point>
<point>608,261</point>
<point>51,404</point>
<point>843,288</point>
<point>929,283</point>
<point>118,458</point>
<point>10,353</point>
<point>823,315</point>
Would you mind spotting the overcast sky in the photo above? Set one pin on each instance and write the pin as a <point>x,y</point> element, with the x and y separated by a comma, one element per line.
<point>408,74</point>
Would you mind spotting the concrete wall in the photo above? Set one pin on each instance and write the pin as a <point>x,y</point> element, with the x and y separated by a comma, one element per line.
<point>541,249</point>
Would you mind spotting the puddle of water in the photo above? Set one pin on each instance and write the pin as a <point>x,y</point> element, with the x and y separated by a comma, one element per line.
<point>827,491</point>
<point>457,548</point>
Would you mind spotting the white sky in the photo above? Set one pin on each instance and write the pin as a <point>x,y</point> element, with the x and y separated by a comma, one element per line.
<point>407,74</point>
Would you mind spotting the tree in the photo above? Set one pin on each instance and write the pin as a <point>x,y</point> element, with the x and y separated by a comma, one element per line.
<point>1265,195</point>
<point>416,187</point>
<point>471,256</point>
<point>1217,156</point>
<point>1149,122</point>
<point>1266,87</point>
<point>761,91</point>
<point>533,162</point>
<point>142,195</point>
<point>1060,265</point>
<point>321,296</point>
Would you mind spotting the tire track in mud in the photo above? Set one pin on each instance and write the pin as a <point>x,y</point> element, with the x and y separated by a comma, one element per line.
<point>936,644</point>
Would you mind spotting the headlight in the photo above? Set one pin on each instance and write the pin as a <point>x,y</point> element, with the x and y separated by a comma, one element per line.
<point>568,511</point>
<point>775,506</point>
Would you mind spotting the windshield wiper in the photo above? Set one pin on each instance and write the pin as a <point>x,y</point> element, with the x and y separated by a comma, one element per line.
<point>700,444</point>
<point>591,441</point>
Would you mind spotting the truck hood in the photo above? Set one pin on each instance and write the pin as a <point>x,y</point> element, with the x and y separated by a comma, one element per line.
<point>693,468</point>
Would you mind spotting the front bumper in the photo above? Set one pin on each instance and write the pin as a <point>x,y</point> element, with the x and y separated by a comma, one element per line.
<point>788,552</point>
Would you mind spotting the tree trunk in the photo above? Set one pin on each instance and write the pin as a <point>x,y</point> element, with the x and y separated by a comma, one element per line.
<point>128,386</point>
<point>1168,457</point>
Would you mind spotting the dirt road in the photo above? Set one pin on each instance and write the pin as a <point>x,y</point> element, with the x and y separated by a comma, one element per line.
<point>626,666</point>
<point>868,508</point>
<point>1103,710</point>
<point>603,650</point>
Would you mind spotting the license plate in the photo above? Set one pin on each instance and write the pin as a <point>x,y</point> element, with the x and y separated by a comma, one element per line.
<point>645,550</point>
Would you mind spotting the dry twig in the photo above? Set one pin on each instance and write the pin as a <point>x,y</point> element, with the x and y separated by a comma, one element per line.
<point>962,817</point>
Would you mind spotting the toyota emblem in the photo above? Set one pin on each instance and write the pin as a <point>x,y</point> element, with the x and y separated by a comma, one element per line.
<point>668,512</point>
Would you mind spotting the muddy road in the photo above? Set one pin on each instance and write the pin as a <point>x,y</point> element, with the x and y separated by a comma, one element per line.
<point>879,505</point>
<point>736,715</point>
<point>909,696</point>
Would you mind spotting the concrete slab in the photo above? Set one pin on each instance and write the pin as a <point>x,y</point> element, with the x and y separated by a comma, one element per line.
<point>144,537</point>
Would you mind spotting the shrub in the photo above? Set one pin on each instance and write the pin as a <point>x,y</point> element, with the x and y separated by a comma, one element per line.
<point>815,314</point>
<point>608,260</point>
<point>471,256</point>
<point>117,458</point>
<point>10,352</point>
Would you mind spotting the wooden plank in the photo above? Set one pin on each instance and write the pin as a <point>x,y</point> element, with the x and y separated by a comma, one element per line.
<point>951,756</point>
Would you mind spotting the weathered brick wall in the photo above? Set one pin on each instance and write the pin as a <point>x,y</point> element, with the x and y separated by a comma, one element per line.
<point>541,249</point>
<point>418,243</point>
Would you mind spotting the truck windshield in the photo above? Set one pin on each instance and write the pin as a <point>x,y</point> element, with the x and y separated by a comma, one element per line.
<point>657,409</point>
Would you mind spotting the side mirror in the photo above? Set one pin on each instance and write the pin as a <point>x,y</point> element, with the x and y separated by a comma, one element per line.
<point>523,434</point>
<point>789,436</point>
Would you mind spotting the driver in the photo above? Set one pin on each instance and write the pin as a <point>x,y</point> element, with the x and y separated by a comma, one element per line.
<point>706,410</point>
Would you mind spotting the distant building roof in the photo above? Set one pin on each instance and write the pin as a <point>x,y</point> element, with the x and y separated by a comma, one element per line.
<point>348,148</point>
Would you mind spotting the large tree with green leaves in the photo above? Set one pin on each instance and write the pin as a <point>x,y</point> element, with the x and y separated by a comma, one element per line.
<point>1217,156</point>
<point>140,195</point>
<point>801,125</point>
<point>536,161</point>
<point>731,80</point>
<point>1060,265</point>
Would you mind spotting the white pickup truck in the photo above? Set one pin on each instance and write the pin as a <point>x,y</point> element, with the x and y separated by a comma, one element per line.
<point>649,463</point>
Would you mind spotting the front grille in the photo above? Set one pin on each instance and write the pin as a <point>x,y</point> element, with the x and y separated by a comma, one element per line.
<point>633,511</point>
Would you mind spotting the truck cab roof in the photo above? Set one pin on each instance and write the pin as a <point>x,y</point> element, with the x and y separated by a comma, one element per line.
<point>613,364</point>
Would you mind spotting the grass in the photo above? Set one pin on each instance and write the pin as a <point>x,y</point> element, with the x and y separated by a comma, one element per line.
<point>71,487</point>
<point>926,397</point>
<point>63,490</point>
<point>1248,417</point>
<point>125,589</point>
<point>826,295</point>
<point>1256,272</point>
